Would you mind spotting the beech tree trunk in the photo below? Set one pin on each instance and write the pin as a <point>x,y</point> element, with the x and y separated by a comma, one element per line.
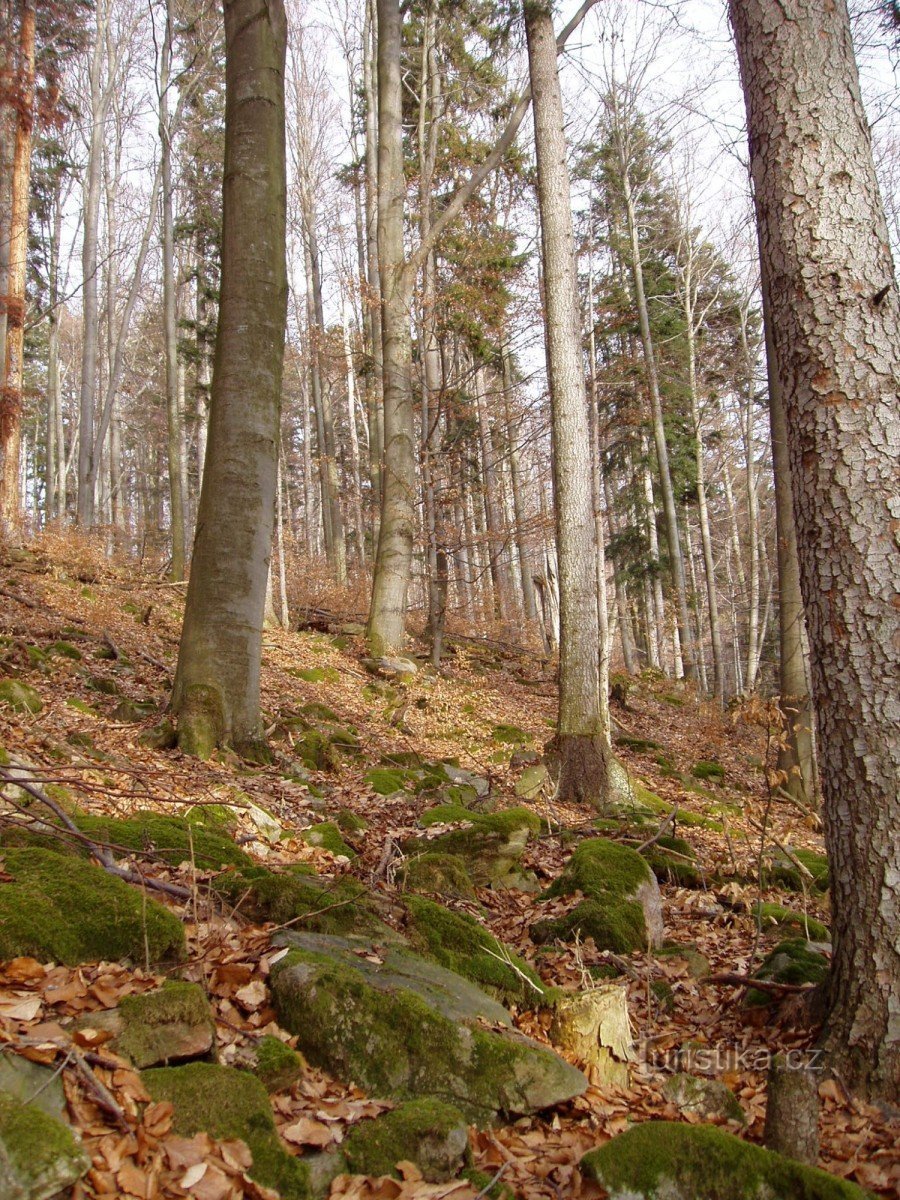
<point>11,399</point>
<point>215,698</point>
<point>835,322</point>
<point>393,563</point>
<point>582,742</point>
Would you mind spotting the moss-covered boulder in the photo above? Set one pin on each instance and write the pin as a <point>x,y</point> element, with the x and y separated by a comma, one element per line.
<point>531,783</point>
<point>19,697</point>
<point>350,822</point>
<point>316,750</point>
<point>273,1063</point>
<point>621,909</point>
<point>665,1160</point>
<point>172,1024</point>
<point>437,874</point>
<point>785,872</point>
<point>490,844</point>
<point>298,895</point>
<point>461,944</point>
<point>510,735</point>
<point>429,1133</point>
<point>795,960</point>
<point>703,1097</point>
<point>39,1155</point>
<point>771,916</point>
<point>59,907</point>
<point>671,859</point>
<point>173,839</point>
<point>32,1083</point>
<point>406,1027</point>
<point>227,1103</point>
<point>328,836</point>
<point>708,770</point>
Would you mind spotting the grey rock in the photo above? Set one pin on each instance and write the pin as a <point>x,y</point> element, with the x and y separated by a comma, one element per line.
<point>40,1156</point>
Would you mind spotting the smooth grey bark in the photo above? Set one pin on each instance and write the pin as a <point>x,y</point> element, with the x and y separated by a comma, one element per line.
<point>175,433</point>
<point>517,486</point>
<point>215,698</point>
<point>372,298</point>
<point>582,743</point>
<point>835,323</point>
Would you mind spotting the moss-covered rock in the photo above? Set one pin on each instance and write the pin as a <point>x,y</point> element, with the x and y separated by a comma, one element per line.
<point>621,909</point>
<point>708,770</point>
<point>406,1027</point>
<point>317,674</point>
<point>795,960</point>
<point>328,836</point>
<point>173,839</point>
<point>227,1103</point>
<point>165,1026</point>
<point>510,735</point>
<point>697,963</point>
<point>19,697</point>
<point>532,782</point>
<point>316,750</point>
<point>777,916</point>
<point>666,1160</point>
<point>32,1083</point>
<point>461,944</point>
<point>438,874</point>
<point>671,859</point>
<point>64,650</point>
<point>297,895</point>
<point>61,908</point>
<point>703,1097</point>
<point>491,844</point>
<point>274,1064</point>
<point>429,1133</point>
<point>350,822</point>
<point>786,873</point>
<point>388,781</point>
<point>39,1155</point>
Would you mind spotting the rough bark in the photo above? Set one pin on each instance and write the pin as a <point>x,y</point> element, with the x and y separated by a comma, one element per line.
<point>835,321</point>
<point>582,742</point>
<point>216,693</point>
<point>792,1111</point>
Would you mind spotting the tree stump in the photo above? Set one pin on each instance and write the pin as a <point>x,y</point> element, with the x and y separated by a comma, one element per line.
<point>593,1028</point>
<point>792,1111</point>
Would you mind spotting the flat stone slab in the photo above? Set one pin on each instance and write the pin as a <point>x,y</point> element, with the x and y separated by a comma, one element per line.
<point>398,1025</point>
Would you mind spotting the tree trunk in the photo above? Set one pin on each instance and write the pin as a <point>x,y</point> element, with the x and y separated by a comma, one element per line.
<point>836,339</point>
<point>797,756</point>
<point>11,399</point>
<point>170,328</point>
<point>216,693</point>
<point>387,614</point>
<point>582,743</point>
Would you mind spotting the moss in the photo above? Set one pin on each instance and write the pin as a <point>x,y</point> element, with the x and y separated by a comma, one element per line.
<point>439,874</point>
<point>614,924</point>
<point>510,735</point>
<point>277,1065</point>
<point>171,839</point>
<point>505,822</point>
<point>341,907</point>
<point>107,687</point>
<point>316,751</point>
<point>639,745</point>
<point>671,698</point>
<point>62,908</point>
<point>328,836</point>
<point>387,781</point>
<point>793,960</point>
<point>161,737</point>
<point>133,711</point>
<point>776,914</point>
<point>664,994</point>
<point>65,650</point>
<point>705,1163</point>
<point>227,1103</point>
<point>485,1185</point>
<point>698,964</point>
<point>423,1131</point>
<point>708,770</point>
<point>783,871</point>
<point>350,822</point>
<point>201,721</point>
<point>316,711</point>
<point>19,697</point>
<point>38,1153</point>
<point>392,1043</point>
<point>678,867</point>
<point>459,943</point>
<point>600,868</point>
<point>147,1020</point>
<point>318,674</point>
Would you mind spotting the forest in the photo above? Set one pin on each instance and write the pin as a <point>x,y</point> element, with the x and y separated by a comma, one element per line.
<point>449,621</point>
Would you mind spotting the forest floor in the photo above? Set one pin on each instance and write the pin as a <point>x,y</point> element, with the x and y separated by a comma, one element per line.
<point>127,627</point>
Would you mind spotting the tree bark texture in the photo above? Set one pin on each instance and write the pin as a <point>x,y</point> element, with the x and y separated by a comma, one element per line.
<point>582,742</point>
<point>393,563</point>
<point>836,335</point>
<point>216,692</point>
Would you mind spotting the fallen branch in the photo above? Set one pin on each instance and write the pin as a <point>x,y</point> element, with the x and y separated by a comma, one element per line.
<point>763,985</point>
